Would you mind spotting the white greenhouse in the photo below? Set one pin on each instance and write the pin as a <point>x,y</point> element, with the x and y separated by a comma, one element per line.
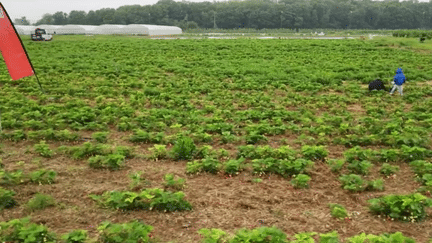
<point>70,29</point>
<point>109,29</point>
<point>89,29</point>
<point>163,30</point>
<point>136,29</point>
<point>25,29</point>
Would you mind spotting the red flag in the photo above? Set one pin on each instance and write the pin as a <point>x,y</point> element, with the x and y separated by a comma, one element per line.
<point>12,49</point>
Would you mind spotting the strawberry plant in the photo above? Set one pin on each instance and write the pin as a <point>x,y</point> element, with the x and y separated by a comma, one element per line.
<point>134,231</point>
<point>227,137</point>
<point>376,185</point>
<point>359,154</point>
<point>40,201</point>
<point>6,199</point>
<point>110,161</point>
<point>388,155</point>
<point>395,237</point>
<point>362,167</point>
<point>21,230</point>
<point>158,152</point>
<point>314,152</point>
<point>388,169</point>
<point>255,138</point>
<point>75,236</point>
<point>205,151</point>
<point>305,237</point>
<point>42,176</point>
<point>100,137</point>
<point>338,210</point>
<point>213,235</point>
<point>140,136</point>
<point>335,164</point>
<point>234,166</point>
<point>176,184</point>
<point>88,149</point>
<point>11,178</point>
<point>261,234</point>
<point>126,151</point>
<point>194,167</point>
<point>331,237</point>
<point>352,182</point>
<point>137,180</point>
<point>402,207</point>
<point>43,149</point>
<point>301,181</point>
<point>183,149</point>
<point>415,153</point>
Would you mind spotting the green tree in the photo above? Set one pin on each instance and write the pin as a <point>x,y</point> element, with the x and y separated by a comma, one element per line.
<point>77,17</point>
<point>60,18</point>
<point>22,21</point>
<point>46,19</point>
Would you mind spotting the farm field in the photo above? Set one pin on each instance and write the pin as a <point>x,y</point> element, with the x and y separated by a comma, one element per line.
<point>183,135</point>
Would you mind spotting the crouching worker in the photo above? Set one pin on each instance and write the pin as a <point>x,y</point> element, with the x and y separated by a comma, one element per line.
<point>398,81</point>
<point>377,85</point>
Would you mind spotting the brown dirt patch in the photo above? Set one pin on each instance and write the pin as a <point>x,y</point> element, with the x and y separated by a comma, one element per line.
<point>219,201</point>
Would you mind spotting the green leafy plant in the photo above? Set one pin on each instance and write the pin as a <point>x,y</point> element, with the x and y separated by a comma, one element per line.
<point>388,169</point>
<point>175,184</point>
<point>338,210</point>
<point>352,182</point>
<point>6,199</point>
<point>301,181</point>
<point>234,166</point>
<point>134,231</point>
<point>40,201</point>
<point>43,176</point>
<point>213,235</point>
<point>331,237</point>
<point>158,152</point>
<point>261,234</point>
<point>395,237</point>
<point>255,138</point>
<point>184,148</point>
<point>335,164</point>
<point>362,167</point>
<point>21,230</point>
<point>137,180</point>
<point>402,207</point>
<point>205,151</point>
<point>43,149</point>
<point>76,236</point>
<point>377,185</point>
<point>111,161</point>
<point>314,152</point>
<point>100,137</point>
<point>11,178</point>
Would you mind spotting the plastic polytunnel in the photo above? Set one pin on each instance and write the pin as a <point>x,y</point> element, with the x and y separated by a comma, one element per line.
<point>163,30</point>
<point>109,29</point>
<point>89,29</point>
<point>25,29</point>
<point>136,29</point>
<point>70,29</point>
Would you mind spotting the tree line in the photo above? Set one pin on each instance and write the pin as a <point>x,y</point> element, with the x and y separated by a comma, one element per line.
<point>259,14</point>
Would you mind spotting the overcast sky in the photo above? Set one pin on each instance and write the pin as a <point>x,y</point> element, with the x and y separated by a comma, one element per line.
<point>33,10</point>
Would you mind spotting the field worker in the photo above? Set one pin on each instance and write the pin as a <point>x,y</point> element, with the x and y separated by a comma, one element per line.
<point>398,80</point>
<point>377,85</point>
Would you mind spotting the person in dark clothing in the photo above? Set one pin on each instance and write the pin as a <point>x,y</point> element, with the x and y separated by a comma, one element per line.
<point>377,85</point>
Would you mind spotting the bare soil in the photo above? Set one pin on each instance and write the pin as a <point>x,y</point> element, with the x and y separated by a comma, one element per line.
<point>219,201</point>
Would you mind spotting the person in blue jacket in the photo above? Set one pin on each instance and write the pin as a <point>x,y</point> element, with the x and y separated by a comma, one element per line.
<point>398,80</point>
